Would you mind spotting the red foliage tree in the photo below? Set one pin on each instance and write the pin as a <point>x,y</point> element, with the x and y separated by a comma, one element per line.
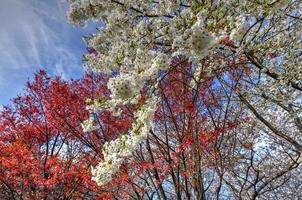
<point>44,154</point>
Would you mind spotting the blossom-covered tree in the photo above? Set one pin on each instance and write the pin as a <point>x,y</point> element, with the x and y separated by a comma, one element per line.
<point>245,54</point>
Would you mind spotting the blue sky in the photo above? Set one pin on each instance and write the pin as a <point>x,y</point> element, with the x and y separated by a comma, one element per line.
<point>35,34</point>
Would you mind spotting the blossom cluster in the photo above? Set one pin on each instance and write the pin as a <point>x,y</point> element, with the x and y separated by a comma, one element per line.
<point>89,125</point>
<point>115,152</point>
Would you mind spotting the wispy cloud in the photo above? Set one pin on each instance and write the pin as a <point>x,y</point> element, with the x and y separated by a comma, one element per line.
<point>35,34</point>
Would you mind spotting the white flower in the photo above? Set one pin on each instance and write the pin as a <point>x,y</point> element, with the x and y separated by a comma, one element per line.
<point>89,125</point>
<point>201,40</point>
<point>124,86</point>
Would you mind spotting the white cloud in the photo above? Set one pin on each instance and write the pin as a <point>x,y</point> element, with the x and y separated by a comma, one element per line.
<point>34,34</point>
